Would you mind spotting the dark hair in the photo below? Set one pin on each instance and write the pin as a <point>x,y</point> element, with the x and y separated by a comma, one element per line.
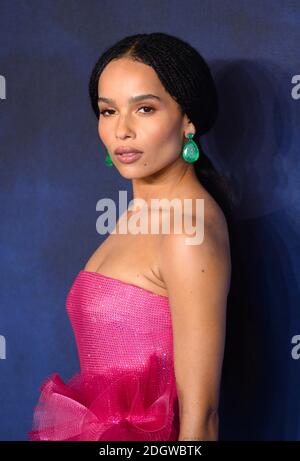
<point>187,78</point>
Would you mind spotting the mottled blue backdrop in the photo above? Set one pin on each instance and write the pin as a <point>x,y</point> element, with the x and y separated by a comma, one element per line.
<point>53,172</point>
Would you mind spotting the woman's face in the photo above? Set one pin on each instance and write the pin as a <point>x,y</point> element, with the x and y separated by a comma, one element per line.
<point>154,126</point>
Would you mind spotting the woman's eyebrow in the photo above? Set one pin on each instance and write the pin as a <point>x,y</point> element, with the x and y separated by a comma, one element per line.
<point>133,99</point>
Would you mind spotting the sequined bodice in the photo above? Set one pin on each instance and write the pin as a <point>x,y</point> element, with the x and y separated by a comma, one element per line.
<point>119,329</point>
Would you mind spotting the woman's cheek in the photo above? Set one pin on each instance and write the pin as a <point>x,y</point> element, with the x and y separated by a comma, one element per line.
<point>101,131</point>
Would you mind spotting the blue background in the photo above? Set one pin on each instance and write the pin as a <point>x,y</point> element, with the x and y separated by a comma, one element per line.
<point>52,174</point>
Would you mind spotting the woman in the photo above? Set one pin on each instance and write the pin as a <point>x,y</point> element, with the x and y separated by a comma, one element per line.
<point>148,309</point>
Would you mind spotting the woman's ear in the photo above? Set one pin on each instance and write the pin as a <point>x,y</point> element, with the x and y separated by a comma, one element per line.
<point>188,126</point>
<point>192,127</point>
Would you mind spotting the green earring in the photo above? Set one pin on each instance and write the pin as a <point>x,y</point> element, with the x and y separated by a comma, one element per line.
<point>108,160</point>
<point>190,151</point>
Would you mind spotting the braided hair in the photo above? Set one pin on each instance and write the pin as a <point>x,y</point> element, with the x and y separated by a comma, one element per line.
<point>187,78</point>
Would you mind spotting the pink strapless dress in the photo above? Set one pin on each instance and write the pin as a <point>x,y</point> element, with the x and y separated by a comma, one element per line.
<point>126,388</point>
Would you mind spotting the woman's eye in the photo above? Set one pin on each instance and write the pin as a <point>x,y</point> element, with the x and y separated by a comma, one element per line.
<point>147,107</point>
<point>102,112</point>
<point>105,110</point>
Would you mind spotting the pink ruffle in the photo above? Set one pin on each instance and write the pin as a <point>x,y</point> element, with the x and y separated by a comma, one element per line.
<point>129,406</point>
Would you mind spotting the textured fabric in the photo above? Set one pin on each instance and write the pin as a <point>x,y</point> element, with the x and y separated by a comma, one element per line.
<point>125,389</point>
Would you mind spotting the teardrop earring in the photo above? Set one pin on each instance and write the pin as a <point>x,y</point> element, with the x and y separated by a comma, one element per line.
<point>108,160</point>
<point>190,151</point>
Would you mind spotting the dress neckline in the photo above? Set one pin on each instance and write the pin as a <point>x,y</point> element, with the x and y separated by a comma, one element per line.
<point>124,283</point>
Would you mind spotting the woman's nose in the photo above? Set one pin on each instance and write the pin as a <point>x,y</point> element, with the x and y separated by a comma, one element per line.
<point>124,127</point>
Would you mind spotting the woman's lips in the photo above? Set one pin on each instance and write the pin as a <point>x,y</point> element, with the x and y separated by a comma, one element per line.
<point>129,157</point>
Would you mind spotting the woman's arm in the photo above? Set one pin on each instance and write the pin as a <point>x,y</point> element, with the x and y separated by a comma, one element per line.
<point>197,278</point>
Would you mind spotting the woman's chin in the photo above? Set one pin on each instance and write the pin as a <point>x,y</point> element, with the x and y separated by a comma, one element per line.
<point>133,173</point>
